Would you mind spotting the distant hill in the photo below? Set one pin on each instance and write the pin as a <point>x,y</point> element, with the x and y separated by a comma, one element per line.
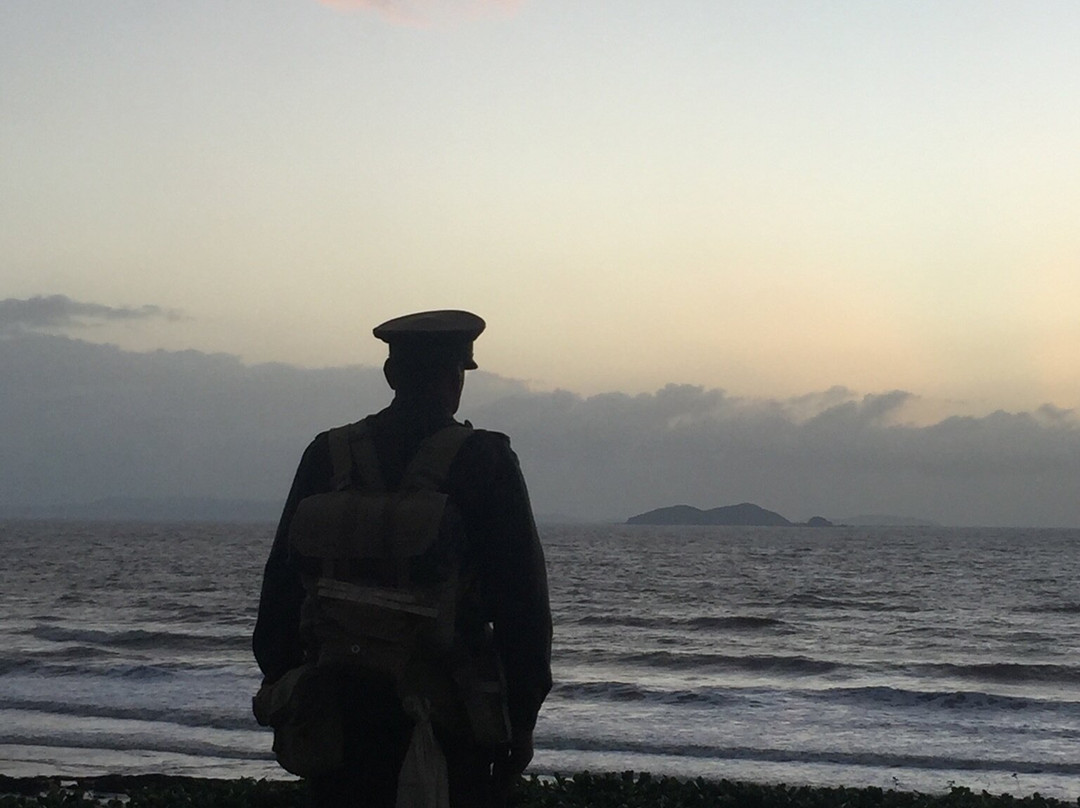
<point>745,513</point>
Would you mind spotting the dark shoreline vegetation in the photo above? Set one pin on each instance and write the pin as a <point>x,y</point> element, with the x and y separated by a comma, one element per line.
<point>584,790</point>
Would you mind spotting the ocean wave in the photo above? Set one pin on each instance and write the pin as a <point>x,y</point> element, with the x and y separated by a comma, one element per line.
<point>1011,672</point>
<point>867,698</point>
<point>626,691</point>
<point>1069,607</point>
<point>737,622</point>
<point>731,622</point>
<point>181,611</point>
<point>164,715</point>
<point>59,655</point>
<point>809,601</point>
<point>23,665</point>
<point>836,757</point>
<point>109,668</point>
<point>139,743</point>
<point>139,639</point>
<point>1005,672</point>
<point>816,602</point>
<point>948,700</point>
<point>755,663</point>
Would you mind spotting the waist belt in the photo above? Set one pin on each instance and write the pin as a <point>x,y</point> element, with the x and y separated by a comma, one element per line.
<point>384,597</point>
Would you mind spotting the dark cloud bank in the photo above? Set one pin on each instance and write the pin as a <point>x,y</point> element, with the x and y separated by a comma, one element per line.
<point>81,422</point>
<point>60,312</point>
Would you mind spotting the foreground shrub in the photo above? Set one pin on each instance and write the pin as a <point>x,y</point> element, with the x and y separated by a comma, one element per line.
<point>585,790</point>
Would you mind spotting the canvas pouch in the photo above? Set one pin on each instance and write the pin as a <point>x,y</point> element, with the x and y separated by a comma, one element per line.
<point>303,709</point>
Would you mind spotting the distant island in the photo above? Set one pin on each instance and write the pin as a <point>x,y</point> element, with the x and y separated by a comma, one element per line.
<point>743,514</point>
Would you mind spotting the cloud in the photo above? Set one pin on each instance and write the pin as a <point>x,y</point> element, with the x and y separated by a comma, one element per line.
<point>81,421</point>
<point>60,312</point>
<point>425,12</point>
<point>833,454</point>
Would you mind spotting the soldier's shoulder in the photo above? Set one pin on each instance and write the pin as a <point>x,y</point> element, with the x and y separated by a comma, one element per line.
<point>317,449</point>
<point>352,430</point>
<point>489,451</point>
<point>489,438</point>
<point>320,444</point>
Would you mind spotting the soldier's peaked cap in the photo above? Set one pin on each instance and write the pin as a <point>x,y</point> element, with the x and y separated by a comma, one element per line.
<point>436,333</point>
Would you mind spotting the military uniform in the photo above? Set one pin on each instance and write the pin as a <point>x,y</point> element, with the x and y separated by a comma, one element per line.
<point>485,484</point>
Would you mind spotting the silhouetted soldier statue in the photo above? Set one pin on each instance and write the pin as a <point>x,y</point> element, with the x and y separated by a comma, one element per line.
<point>404,630</point>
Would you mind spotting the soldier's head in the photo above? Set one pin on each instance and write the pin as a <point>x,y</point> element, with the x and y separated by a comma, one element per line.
<point>429,354</point>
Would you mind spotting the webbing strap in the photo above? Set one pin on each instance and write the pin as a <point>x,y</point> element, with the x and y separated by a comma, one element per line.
<point>351,447</point>
<point>340,457</point>
<point>367,461</point>
<point>429,467</point>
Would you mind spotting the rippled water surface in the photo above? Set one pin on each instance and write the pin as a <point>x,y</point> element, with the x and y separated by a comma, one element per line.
<point>910,657</point>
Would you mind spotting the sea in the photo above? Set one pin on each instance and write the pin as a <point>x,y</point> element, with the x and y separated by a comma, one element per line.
<point>909,658</point>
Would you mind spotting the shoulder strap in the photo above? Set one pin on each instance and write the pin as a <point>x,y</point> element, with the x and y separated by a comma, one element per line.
<point>429,467</point>
<point>352,456</point>
<point>340,456</point>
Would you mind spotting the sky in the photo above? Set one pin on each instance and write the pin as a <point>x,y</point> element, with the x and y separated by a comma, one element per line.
<point>768,202</point>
